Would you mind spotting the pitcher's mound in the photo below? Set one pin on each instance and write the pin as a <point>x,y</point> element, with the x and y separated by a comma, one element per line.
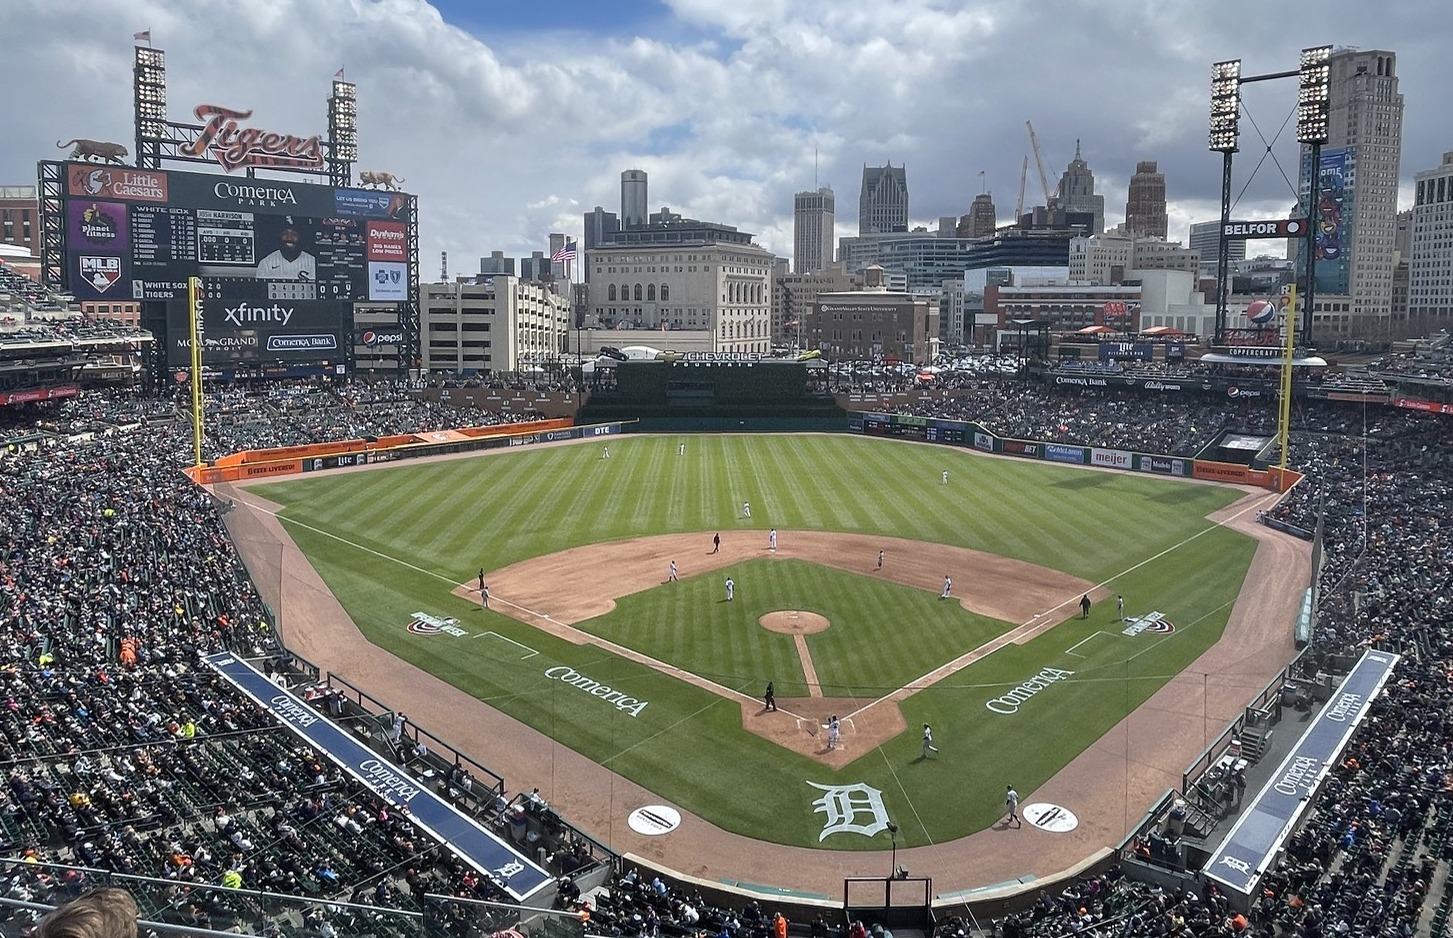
<point>793,622</point>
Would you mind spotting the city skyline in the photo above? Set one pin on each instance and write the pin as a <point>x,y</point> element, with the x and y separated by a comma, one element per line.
<point>509,129</point>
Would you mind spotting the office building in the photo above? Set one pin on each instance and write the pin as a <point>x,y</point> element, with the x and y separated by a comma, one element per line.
<point>491,326</point>
<point>813,217</point>
<point>1145,214</point>
<point>716,285</point>
<point>20,218</point>
<point>874,324</point>
<point>883,201</point>
<point>981,221</point>
<point>634,199</point>
<point>497,265</point>
<point>1205,240</point>
<point>794,294</point>
<point>1077,191</point>
<point>1356,203</point>
<point>1430,269</point>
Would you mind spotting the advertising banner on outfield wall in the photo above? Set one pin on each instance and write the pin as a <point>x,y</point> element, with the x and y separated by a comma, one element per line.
<point>983,441</point>
<point>1111,458</point>
<point>1219,471</point>
<point>1163,465</point>
<point>1057,452</point>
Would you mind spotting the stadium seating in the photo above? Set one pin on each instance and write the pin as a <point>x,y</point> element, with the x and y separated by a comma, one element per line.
<point>126,758</point>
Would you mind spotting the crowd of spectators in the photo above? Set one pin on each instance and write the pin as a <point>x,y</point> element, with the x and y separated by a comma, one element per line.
<point>121,753</point>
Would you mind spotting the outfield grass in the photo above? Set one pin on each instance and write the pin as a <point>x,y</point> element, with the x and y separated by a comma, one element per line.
<point>393,541</point>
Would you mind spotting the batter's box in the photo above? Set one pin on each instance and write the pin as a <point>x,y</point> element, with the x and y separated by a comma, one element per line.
<point>528,651</point>
<point>1071,650</point>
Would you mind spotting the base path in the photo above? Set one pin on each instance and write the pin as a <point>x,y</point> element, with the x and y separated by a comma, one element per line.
<point>1108,786</point>
<point>555,591</point>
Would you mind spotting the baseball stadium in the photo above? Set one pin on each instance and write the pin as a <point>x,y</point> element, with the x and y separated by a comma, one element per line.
<point>1105,629</point>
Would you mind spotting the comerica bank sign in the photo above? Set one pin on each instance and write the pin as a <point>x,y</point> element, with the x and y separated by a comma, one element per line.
<point>568,675</point>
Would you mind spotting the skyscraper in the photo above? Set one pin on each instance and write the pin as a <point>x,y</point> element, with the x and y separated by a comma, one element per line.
<point>981,222</point>
<point>883,202</point>
<point>1356,206</point>
<point>1077,191</point>
<point>1430,278</point>
<point>813,215</point>
<point>634,205</point>
<point>1206,238</point>
<point>1145,206</point>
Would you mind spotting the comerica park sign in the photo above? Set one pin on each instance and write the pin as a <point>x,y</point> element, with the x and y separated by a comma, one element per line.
<point>1274,228</point>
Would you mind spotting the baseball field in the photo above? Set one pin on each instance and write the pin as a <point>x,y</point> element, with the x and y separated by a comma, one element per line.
<point>662,682</point>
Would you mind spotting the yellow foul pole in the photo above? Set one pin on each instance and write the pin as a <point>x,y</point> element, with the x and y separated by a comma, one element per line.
<point>1284,418</point>
<point>194,320</point>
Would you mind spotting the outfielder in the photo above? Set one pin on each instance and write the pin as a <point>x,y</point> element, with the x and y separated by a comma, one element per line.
<point>928,745</point>
<point>731,589</point>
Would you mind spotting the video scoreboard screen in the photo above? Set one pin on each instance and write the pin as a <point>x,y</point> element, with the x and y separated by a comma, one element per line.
<point>140,234</point>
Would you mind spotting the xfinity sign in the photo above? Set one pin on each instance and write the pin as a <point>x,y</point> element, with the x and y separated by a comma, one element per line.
<point>245,314</point>
<point>1275,228</point>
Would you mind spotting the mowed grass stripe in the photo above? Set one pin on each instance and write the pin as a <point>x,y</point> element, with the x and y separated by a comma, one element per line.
<point>513,505</point>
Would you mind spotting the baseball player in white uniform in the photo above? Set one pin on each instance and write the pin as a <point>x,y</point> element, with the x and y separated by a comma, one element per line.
<point>928,745</point>
<point>290,261</point>
<point>948,587</point>
<point>671,573</point>
<point>772,539</point>
<point>746,509</point>
<point>731,588</point>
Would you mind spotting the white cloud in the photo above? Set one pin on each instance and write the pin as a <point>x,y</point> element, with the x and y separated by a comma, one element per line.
<point>510,134</point>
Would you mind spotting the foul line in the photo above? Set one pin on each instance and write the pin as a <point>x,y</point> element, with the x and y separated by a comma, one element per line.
<point>1071,649</point>
<point>1024,631</point>
<point>532,652</point>
<point>629,654</point>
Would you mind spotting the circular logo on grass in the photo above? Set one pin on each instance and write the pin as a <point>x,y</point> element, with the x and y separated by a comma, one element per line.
<point>654,820</point>
<point>1051,817</point>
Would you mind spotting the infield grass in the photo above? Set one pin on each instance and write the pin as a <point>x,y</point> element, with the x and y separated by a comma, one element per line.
<point>393,541</point>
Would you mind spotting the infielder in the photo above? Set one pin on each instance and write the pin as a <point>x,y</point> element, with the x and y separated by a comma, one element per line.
<point>948,587</point>
<point>772,539</point>
<point>1011,799</point>
<point>484,596</point>
<point>671,573</point>
<point>880,560</point>
<point>928,745</point>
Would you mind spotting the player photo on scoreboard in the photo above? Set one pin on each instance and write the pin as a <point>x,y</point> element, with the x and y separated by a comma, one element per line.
<point>285,248</point>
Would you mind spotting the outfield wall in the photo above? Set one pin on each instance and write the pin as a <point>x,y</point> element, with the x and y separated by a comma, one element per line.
<point>251,465</point>
<point>977,436</point>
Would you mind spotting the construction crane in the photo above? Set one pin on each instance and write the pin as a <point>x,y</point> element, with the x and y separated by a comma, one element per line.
<point>1023,174</point>
<point>1049,200</point>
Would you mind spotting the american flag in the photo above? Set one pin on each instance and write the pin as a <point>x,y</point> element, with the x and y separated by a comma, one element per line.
<point>567,253</point>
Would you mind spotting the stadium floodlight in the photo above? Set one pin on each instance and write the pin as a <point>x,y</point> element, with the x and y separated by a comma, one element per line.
<point>343,120</point>
<point>1225,106</point>
<point>150,91</point>
<point>1313,94</point>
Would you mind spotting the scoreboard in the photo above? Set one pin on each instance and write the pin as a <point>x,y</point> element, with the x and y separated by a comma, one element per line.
<point>140,234</point>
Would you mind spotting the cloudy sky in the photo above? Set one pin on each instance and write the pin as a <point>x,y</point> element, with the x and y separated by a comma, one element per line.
<point>511,119</point>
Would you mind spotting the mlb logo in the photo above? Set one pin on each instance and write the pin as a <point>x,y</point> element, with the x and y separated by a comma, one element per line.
<point>100,273</point>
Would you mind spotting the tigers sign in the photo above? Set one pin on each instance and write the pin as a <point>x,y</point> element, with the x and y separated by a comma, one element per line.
<point>235,146</point>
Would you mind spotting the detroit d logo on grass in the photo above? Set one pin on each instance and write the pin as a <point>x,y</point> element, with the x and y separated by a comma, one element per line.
<point>850,809</point>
